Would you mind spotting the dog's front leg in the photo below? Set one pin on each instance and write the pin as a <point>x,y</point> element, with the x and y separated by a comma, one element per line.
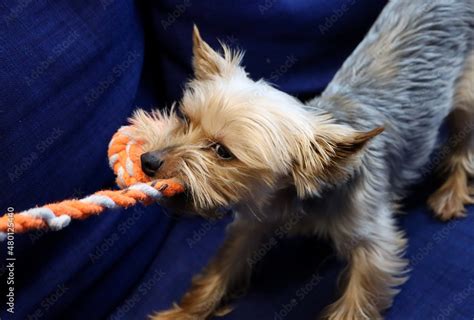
<point>228,270</point>
<point>373,249</point>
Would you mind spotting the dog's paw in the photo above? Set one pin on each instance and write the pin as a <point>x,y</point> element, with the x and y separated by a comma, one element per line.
<point>180,314</point>
<point>176,313</point>
<point>338,311</point>
<point>448,201</point>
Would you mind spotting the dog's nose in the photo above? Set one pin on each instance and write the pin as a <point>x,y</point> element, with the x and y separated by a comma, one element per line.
<point>151,162</point>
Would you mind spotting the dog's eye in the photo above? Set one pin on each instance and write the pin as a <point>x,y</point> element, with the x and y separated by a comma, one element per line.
<point>222,151</point>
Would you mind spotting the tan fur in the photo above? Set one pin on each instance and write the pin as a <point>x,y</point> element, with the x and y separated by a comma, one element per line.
<point>449,200</point>
<point>366,277</point>
<point>225,272</point>
<point>275,160</point>
<point>279,148</point>
<point>208,63</point>
<point>332,155</point>
<point>268,137</point>
<point>374,272</point>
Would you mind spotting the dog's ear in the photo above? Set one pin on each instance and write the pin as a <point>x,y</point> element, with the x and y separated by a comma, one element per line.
<point>208,63</point>
<point>328,158</point>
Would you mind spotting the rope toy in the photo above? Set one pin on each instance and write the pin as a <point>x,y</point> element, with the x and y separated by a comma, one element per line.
<point>124,158</point>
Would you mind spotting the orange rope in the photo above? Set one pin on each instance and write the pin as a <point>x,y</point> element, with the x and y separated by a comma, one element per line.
<point>124,158</point>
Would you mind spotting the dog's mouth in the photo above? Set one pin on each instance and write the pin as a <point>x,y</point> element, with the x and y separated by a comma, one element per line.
<point>179,198</point>
<point>182,204</point>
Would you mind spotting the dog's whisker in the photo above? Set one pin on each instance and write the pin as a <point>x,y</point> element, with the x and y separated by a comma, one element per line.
<point>336,166</point>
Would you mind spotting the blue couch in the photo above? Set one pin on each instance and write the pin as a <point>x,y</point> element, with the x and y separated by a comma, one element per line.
<point>71,72</point>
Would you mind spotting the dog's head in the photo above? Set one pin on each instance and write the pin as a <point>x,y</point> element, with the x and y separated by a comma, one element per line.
<point>232,139</point>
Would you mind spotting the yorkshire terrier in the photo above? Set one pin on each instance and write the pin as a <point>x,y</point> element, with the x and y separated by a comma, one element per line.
<point>341,162</point>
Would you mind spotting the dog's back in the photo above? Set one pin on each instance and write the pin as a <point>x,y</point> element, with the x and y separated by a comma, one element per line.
<point>403,75</point>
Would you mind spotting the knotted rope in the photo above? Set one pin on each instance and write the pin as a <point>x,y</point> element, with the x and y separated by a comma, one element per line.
<point>124,158</point>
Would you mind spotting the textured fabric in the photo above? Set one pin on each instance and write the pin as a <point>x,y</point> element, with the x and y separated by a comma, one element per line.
<point>71,72</point>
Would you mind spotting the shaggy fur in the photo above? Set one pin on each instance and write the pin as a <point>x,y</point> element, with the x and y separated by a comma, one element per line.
<point>340,163</point>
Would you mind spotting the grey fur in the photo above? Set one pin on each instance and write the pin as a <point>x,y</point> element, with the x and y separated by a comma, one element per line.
<point>427,43</point>
<point>406,76</point>
<point>402,76</point>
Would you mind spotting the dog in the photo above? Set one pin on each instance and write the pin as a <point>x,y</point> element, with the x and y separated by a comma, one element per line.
<point>341,162</point>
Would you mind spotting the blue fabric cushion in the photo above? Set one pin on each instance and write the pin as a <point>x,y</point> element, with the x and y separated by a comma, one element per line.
<point>70,75</point>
